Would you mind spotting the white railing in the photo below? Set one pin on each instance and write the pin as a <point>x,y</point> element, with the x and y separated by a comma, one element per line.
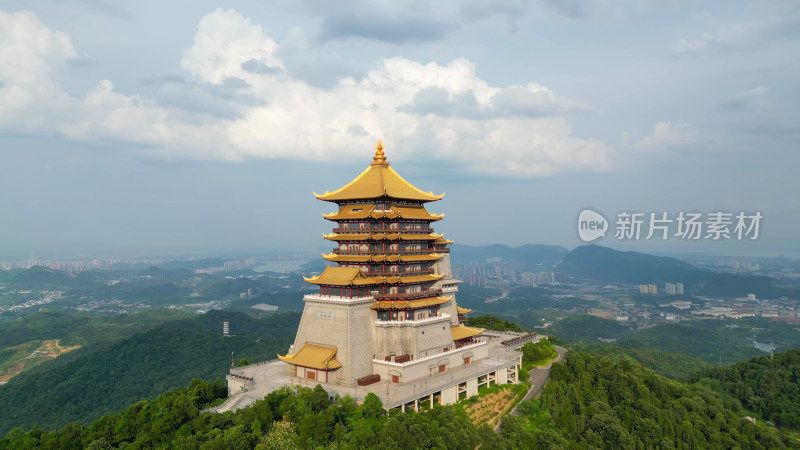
<point>429,357</point>
<point>237,369</point>
<point>336,298</point>
<point>414,322</point>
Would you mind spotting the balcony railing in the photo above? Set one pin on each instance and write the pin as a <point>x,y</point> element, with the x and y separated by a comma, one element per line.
<point>429,357</point>
<point>340,251</point>
<point>432,318</point>
<point>407,295</point>
<point>383,230</point>
<point>389,273</point>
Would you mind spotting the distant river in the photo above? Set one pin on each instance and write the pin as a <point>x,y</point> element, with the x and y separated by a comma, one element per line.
<point>289,265</point>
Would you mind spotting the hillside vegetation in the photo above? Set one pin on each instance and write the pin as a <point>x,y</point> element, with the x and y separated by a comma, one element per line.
<point>108,376</point>
<point>768,387</point>
<point>589,402</point>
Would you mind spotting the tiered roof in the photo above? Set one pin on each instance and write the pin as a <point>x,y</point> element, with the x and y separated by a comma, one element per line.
<point>379,180</point>
<point>379,194</point>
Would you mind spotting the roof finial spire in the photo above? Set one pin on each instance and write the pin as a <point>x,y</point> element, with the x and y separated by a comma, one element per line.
<point>379,158</point>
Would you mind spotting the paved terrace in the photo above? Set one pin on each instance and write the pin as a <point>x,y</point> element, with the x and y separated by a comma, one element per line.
<point>274,375</point>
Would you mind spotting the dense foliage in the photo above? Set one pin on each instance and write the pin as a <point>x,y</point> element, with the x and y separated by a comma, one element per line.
<point>491,322</point>
<point>589,402</point>
<point>594,402</point>
<point>768,387</point>
<point>538,353</point>
<point>587,328</point>
<point>105,377</point>
<point>674,365</point>
<point>283,419</point>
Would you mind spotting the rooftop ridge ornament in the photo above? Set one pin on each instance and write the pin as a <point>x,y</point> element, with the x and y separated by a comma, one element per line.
<point>379,157</point>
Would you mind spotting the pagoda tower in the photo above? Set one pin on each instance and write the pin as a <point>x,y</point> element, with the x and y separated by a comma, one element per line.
<point>390,299</point>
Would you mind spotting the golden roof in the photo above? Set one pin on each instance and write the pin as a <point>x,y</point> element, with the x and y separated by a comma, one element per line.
<point>347,237</point>
<point>421,278</point>
<point>376,181</point>
<point>353,276</point>
<point>341,276</point>
<point>420,236</point>
<point>313,356</point>
<point>410,304</point>
<point>381,258</point>
<point>443,241</point>
<point>462,332</point>
<point>363,211</point>
<point>380,236</point>
<point>463,310</point>
<point>346,258</point>
<point>418,258</point>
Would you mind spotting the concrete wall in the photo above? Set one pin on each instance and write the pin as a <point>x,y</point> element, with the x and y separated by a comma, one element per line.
<point>442,266</point>
<point>347,324</point>
<point>417,338</point>
<point>235,385</point>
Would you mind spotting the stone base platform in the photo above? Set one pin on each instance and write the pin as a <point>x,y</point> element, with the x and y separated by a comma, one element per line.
<point>248,384</point>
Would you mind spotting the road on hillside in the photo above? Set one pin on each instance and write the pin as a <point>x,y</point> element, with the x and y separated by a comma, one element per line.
<point>538,378</point>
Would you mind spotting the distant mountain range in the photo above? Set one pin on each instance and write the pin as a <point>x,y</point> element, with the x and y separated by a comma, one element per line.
<point>593,262</point>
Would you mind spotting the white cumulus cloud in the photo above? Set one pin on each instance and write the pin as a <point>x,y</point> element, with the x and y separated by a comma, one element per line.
<point>269,113</point>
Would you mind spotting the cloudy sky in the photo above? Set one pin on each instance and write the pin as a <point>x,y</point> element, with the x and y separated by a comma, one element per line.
<point>157,127</point>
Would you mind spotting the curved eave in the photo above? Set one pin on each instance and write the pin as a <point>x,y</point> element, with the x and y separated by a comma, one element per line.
<point>421,278</point>
<point>346,237</point>
<point>419,258</point>
<point>463,332</point>
<point>463,310</point>
<point>314,357</point>
<point>378,180</point>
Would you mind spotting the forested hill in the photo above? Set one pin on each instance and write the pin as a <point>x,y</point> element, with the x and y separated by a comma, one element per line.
<point>594,262</point>
<point>593,402</point>
<point>589,402</point>
<point>768,387</point>
<point>602,263</point>
<point>83,385</point>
